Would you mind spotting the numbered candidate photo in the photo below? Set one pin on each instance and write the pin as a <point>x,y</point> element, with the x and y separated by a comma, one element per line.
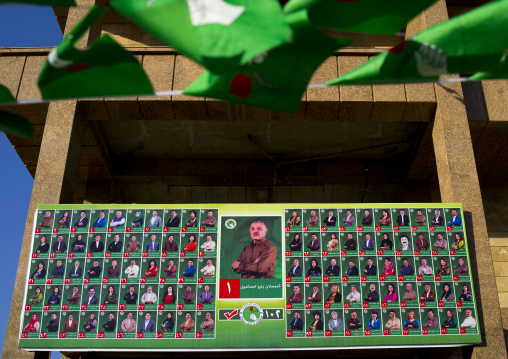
<point>251,247</point>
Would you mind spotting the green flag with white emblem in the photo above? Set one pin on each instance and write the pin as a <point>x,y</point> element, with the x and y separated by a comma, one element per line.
<point>217,34</point>
<point>103,69</point>
<point>468,43</point>
<point>276,79</point>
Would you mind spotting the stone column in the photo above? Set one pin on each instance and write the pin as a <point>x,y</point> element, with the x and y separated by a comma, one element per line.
<point>54,183</point>
<point>458,182</point>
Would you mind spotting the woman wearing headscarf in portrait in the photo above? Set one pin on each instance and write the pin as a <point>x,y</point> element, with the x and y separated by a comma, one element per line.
<point>389,267</point>
<point>40,272</point>
<point>447,295</point>
<point>466,295</point>
<point>385,219</point>
<point>64,221</point>
<point>296,243</point>
<point>191,246</point>
<point>33,325</point>
<point>444,268</point>
<point>138,221</point>
<point>44,246</point>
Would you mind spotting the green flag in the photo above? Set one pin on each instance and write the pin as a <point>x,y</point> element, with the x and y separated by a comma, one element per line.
<point>104,69</point>
<point>15,124</point>
<point>468,43</point>
<point>5,95</point>
<point>60,3</point>
<point>365,16</point>
<point>501,72</point>
<point>218,34</point>
<point>297,5</point>
<point>277,79</point>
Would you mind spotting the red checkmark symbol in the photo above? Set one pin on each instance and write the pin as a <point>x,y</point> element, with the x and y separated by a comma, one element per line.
<point>232,314</point>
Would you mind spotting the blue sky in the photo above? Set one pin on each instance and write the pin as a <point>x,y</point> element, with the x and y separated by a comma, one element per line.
<point>20,26</point>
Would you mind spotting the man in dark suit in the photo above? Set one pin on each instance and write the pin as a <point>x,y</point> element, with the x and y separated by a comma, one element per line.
<point>116,245</point>
<point>297,323</point>
<point>91,298</point>
<point>76,271</point>
<point>95,271</point>
<point>334,269</point>
<point>297,269</point>
<point>296,297</point>
<point>403,219</point>
<point>314,244</point>
<point>58,271</point>
<point>330,221</point>
<point>148,325</point>
<point>82,221</point>
<point>352,270</point>
<point>437,220</point>
<point>373,296</point>
<point>60,246</point>
<point>367,220</point>
<point>131,297</point>
<point>368,244</point>
<point>97,245</point>
<point>370,268</point>
<point>173,221</point>
<point>110,326</point>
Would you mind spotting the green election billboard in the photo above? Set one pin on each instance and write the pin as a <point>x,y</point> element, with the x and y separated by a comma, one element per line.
<point>257,276</point>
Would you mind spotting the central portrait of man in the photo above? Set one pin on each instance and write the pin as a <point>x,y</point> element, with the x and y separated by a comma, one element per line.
<point>251,257</point>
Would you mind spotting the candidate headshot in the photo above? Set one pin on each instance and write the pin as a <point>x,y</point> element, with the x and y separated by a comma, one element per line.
<point>258,259</point>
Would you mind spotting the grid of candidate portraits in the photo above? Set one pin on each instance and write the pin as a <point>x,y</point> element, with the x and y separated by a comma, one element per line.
<point>377,272</point>
<point>122,273</point>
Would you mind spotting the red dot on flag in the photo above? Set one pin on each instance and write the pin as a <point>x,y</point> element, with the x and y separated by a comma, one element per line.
<point>397,49</point>
<point>77,67</point>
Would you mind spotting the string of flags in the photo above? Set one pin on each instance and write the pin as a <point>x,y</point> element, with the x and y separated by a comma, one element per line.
<point>261,54</point>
